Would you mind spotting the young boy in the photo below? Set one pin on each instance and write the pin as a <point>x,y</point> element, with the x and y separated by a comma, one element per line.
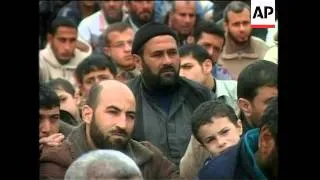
<point>69,101</point>
<point>216,126</point>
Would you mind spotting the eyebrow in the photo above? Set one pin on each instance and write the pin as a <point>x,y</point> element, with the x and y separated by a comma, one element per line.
<point>50,115</point>
<point>224,129</point>
<point>118,109</point>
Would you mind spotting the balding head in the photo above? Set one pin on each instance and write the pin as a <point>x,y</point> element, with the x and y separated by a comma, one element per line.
<point>112,87</point>
<point>109,115</point>
<point>178,4</point>
<point>183,16</point>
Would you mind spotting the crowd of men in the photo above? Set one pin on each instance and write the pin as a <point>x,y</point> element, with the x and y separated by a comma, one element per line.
<point>156,90</point>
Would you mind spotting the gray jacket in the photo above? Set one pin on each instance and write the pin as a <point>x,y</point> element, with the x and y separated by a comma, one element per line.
<point>169,132</point>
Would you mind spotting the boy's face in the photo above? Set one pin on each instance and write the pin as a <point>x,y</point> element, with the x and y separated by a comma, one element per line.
<point>219,135</point>
<point>94,77</point>
<point>68,102</point>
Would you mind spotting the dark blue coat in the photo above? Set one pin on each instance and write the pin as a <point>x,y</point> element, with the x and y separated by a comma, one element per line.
<point>238,162</point>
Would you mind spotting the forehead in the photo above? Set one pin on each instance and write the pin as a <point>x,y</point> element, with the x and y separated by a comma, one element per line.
<point>107,3</point>
<point>61,92</point>
<point>66,31</point>
<point>140,3</point>
<point>266,92</point>
<point>117,35</point>
<point>207,37</point>
<point>188,59</point>
<point>185,6</point>
<point>48,112</point>
<point>94,73</point>
<point>242,16</point>
<point>160,43</point>
<point>217,124</point>
<point>119,97</point>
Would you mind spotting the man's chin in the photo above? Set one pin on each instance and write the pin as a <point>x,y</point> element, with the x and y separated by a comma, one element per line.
<point>119,142</point>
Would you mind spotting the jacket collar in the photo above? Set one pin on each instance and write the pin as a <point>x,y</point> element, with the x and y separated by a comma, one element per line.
<point>51,59</point>
<point>249,147</point>
<point>77,138</point>
<point>233,50</point>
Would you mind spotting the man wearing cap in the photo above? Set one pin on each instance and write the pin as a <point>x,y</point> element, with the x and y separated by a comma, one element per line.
<point>165,101</point>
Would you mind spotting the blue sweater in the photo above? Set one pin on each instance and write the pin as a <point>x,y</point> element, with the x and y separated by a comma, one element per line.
<point>238,162</point>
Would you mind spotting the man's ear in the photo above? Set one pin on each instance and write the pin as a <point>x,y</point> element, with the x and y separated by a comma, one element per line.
<point>239,127</point>
<point>225,26</point>
<point>138,60</point>
<point>87,114</point>
<point>207,66</point>
<point>245,107</point>
<point>49,37</point>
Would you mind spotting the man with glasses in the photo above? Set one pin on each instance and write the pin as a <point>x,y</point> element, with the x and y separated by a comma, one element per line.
<point>118,39</point>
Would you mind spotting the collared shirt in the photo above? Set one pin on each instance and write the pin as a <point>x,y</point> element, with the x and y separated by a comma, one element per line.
<point>227,91</point>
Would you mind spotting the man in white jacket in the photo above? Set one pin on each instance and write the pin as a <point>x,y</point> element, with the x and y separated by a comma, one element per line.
<point>60,57</point>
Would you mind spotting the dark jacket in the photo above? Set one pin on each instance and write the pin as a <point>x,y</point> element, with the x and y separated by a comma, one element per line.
<point>65,128</point>
<point>55,161</point>
<point>169,132</point>
<point>238,162</point>
<point>72,10</point>
<point>66,117</point>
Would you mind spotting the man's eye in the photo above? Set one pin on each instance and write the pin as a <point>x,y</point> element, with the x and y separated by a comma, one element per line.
<point>113,112</point>
<point>63,99</point>
<point>131,116</point>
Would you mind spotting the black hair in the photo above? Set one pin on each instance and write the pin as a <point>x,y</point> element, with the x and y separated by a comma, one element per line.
<point>210,28</point>
<point>235,6</point>
<point>62,84</point>
<point>48,99</point>
<point>92,63</point>
<point>93,96</point>
<point>197,52</point>
<point>115,27</point>
<point>61,21</point>
<point>208,110</point>
<point>256,75</point>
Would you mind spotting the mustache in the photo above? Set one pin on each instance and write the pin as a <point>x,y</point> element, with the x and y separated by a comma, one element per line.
<point>167,68</point>
<point>120,132</point>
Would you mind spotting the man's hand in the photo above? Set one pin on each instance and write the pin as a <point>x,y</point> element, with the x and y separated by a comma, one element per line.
<point>53,140</point>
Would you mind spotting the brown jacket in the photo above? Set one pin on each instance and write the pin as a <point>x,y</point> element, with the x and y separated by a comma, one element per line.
<point>193,159</point>
<point>235,58</point>
<point>55,161</point>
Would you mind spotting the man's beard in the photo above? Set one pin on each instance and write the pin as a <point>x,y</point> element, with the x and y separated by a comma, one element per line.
<point>61,61</point>
<point>234,39</point>
<point>156,81</point>
<point>104,142</point>
<point>270,165</point>
<point>139,22</point>
<point>111,20</point>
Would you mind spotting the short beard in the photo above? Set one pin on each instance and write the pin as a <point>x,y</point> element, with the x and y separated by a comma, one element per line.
<point>102,142</point>
<point>234,39</point>
<point>112,20</point>
<point>156,82</point>
<point>138,22</point>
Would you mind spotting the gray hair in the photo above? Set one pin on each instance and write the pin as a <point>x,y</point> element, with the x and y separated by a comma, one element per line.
<point>103,164</point>
<point>234,6</point>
